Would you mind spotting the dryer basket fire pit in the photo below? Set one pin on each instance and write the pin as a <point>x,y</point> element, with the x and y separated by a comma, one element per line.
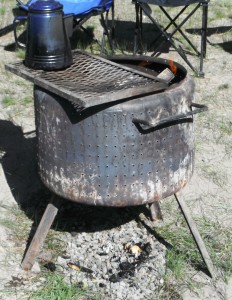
<point>110,154</point>
<point>113,133</point>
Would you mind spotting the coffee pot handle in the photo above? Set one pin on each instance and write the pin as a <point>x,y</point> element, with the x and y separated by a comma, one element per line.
<point>17,21</point>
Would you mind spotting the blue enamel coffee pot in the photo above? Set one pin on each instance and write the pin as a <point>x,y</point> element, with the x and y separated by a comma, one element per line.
<point>48,46</point>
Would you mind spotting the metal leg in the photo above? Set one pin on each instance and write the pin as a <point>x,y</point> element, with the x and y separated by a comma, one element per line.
<point>195,233</point>
<point>40,235</point>
<point>155,211</point>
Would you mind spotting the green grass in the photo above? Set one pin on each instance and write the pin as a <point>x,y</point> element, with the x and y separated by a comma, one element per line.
<point>218,177</point>
<point>2,11</point>
<point>226,127</point>
<point>8,101</point>
<point>20,53</point>
<point>183,258</point>
<point>56,288</point>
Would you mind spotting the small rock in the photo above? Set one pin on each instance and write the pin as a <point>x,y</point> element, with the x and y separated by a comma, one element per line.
<point>36,268</point>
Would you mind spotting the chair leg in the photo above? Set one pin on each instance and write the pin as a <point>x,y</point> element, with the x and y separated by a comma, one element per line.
<point>138,40</point>
<point>178,27</point>
<point>169,36</point>
<point>106,32</point>
<point>203,37</point>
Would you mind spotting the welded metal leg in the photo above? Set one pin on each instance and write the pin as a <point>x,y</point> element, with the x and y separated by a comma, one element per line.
<point>155,211</point>
<point>40,235</point>
<point>195,233</point>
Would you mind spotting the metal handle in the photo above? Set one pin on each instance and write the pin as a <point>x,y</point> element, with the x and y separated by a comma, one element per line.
<point>199,108</point>
<point>16,22</point>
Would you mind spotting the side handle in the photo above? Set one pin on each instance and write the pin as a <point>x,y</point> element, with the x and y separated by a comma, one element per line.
<point>199,108</point>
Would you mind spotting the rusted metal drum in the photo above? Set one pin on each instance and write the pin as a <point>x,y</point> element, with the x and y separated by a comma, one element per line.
<point>109,154</point>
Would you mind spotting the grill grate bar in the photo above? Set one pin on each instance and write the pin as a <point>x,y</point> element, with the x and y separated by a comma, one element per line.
<point>91,80</point>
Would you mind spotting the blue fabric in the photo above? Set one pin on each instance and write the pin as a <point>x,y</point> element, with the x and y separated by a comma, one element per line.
<point>80,8</point>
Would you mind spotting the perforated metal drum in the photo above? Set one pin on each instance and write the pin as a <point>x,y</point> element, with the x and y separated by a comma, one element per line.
<point>105,155</point>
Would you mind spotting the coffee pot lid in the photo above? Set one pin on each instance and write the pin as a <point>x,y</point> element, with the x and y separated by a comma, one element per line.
<point>45,6</point>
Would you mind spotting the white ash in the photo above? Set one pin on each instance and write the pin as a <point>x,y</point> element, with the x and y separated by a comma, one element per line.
<point>108,268</point>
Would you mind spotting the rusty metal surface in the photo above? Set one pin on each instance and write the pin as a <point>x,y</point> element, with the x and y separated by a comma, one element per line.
<point>100,157</point>
<point>91,80</point>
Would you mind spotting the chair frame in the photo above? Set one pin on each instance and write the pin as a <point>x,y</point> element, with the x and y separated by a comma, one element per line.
<point>140,9</point>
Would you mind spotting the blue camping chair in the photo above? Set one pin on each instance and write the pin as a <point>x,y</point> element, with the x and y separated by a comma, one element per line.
<point>167,33</point>
<point>82,10</point>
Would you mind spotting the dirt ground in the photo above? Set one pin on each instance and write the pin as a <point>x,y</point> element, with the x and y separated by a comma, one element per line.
<point>208,193</point>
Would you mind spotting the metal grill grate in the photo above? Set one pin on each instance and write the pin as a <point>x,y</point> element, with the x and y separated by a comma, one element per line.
<point>91,80</point>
